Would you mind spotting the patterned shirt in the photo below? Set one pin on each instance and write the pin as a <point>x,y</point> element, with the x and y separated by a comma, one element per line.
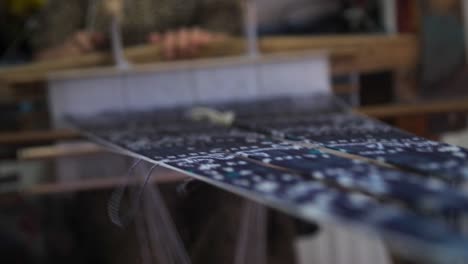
<point>59,19</point>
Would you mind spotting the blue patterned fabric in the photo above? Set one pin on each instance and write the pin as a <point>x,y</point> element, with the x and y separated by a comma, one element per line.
<point>369,138</point>
<point>254,160</point>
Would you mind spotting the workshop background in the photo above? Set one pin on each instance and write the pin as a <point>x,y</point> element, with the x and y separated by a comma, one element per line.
<point>403,62</point>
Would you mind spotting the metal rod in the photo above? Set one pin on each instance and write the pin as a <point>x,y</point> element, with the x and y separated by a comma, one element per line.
<point>250,27</point>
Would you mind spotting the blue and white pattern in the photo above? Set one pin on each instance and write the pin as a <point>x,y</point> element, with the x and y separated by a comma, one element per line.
<point>420,194</point>
<point>369,138</point>
<point>313,200</point>
<point>307,182</point>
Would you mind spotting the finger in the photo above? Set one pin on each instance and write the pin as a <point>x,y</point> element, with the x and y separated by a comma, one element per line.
<point>195,38</point>
<point>183,43</point>
<point>154,38</point>
<point>98,38</point>
<point>219,36</point>
<point>206,37</point>
<point>168,45</point>
<point>199,38</point>
<point>69,49</point>
<point>83,41</point>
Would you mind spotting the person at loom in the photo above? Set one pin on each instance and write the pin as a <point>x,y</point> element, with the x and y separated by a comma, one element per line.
<point>87,24</point>
<point>181,27</point>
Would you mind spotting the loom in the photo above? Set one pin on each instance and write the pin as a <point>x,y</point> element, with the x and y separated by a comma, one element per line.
<point>291,145</point>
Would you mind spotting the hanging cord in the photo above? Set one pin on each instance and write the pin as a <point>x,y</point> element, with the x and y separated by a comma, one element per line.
<point>251,244</point>
<point>115,201</point>
<point>142,237</point>
<point>155,230</point>
<point>164,241</point>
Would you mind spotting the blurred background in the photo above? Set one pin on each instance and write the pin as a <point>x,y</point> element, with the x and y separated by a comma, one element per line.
<point>403,62</point>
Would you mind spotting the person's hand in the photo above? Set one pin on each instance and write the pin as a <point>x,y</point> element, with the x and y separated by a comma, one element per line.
<point>184,43</point>
<point>79,43</point>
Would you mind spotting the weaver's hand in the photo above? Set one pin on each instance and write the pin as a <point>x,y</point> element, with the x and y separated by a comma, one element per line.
<point>184,43</point>
<point>79,43</point>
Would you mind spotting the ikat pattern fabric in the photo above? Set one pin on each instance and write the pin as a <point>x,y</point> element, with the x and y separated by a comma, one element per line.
<point>369,138</point>
<point>314,200</point>
<point>280,156</point>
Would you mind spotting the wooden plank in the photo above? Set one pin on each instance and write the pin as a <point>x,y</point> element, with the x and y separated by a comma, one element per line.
<point>60,150</point>
<point>399,110</point>
<point>344,89</point>
<point>24,137</point>
<point>96,184</point>
<point>372,52</point>
<point>184,65</point>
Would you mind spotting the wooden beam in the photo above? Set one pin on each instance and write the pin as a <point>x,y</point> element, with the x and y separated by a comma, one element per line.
<point>96,184</point>
<point>60,150</point>
<point>371,53</point>
<point>401,110</point>
<point>24,137</point>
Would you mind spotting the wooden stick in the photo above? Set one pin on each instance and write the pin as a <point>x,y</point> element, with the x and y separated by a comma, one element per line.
<point>401,110</point>
<point>371,51</point>
<point>95,184</point>
<point>60,150</point>
<point>24,137</point>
